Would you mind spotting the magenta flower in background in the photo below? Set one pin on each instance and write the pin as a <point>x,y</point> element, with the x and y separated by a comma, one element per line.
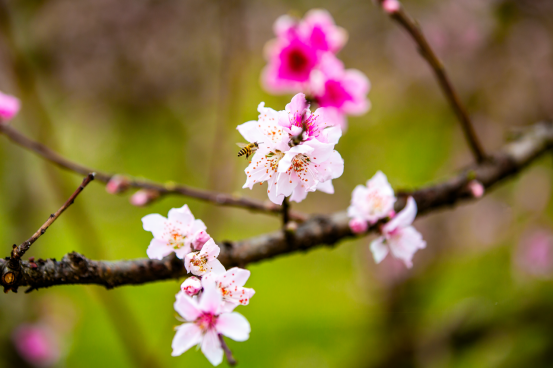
<point>319,29</point>
<point>399,237</point>
<point>534,255</point>
<point>9,106</point>
<point>178,233</point>
<point>204,321</point>
<point>37,344</point>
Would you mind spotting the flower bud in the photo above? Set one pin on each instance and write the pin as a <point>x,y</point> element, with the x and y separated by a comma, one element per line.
<point>200,238</point>
<point>9,106</point>
<point>391,6</point>
<point>476,188</point>
<point>143,197</point>
<point>118,184</point>
<point>191,286</point>
<point>358,225</point>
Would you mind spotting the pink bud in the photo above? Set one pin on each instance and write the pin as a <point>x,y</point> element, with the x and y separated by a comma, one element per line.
<point>143,197</point>
<point>191,286</point>
<point>9,106</point>
<point>391,6</point>
<point>37,344</point>
<point>200,238</point>
<point>358,225</point>
<point>117,184</point>
<point>476,188</point>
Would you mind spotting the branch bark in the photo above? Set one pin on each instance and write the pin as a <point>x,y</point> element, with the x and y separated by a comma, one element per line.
<point>318,230</point>
<point>162,189</point>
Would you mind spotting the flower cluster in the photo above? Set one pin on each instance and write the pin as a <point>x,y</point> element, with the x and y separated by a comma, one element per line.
<point>207,299</point>
<point>303,59</point>
<point>296,150</point>
<point>376,201</point>
<point>9,107</point>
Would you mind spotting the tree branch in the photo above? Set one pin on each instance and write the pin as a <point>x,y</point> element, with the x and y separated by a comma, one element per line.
<point>413,28</point>
<point>18,251</point>
<point>162,189</point>
<point>318,230</point>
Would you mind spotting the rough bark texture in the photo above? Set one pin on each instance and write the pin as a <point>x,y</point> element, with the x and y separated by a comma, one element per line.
<point>318,230</point>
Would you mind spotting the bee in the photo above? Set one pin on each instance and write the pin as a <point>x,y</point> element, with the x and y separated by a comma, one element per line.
<point>248,149</point>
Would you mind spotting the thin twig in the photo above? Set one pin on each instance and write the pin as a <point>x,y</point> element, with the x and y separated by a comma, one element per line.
<point>428,54</point>
<point>231,360</point>
<point>18,251</point>
<point>317,231</point>
<point>163,189</point>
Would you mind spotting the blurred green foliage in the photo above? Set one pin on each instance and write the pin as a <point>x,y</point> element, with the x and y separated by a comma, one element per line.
<point>155,89</point>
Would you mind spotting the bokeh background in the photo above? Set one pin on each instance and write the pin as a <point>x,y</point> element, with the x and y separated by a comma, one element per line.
<point>155,89</point>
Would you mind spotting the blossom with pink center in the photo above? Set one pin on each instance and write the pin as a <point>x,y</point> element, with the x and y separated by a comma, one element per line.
<point>342,90</point>
<point>204,261</point>
<point>177,233</point>
<point>358,225</point>
<point>266,130</point>
<point>373,202</point>
<point>9,106</point>
<point>306,168</point>
<point>399,237</point>
<point>37,344</point>
<point>231,285</point>
<point>289,67</point>
<point>191,286</point>
<point>204,322</point>
<point>297,117</point>
<point>319,30</point>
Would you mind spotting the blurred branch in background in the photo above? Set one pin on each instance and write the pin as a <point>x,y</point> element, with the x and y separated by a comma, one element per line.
<point>162,189</point>
<point>319,230</point>
<point>397,13</point>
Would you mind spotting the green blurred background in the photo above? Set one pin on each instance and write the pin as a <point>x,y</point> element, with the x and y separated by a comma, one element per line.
<point>155,89</point>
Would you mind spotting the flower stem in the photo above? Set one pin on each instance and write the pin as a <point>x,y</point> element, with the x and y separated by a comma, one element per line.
<point>231,360</point>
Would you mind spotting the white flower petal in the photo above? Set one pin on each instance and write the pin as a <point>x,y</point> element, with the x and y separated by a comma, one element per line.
<point>158,249</point>
<point>211,347</point>
<point>379,249</point>
<point>211,299</point>
<point>234,326</point>
<point>405,244</point>
<point>187,336</point>
<point>187,307</point>
<point>404,218</point>
<point>154,223</point>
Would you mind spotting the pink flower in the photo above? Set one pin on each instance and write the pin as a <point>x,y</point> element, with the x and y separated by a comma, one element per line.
<point>204,261</point>
<point>143,197</point>
<point>344,90</point>
<point>358,225</point>
<point>391,6</point>
<point>205,321</point>
<point>177,233</point>
<point>289,67</point>
<point>200,238</point>
<point>373,202</point>
<point>118,184</point>
<point>476,188</point>
<point>399,237</point>
<point>191,286</point>
<point>37,344</point>
<point>266,130</point>
<point>304,168</point>
<point>231,285</point>
<point>297,116</point>
<point>320,31</point>
<point>9,106</point>
<point>535,253</point>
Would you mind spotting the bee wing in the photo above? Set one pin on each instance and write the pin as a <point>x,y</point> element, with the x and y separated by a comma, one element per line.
<point>241,145</point>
